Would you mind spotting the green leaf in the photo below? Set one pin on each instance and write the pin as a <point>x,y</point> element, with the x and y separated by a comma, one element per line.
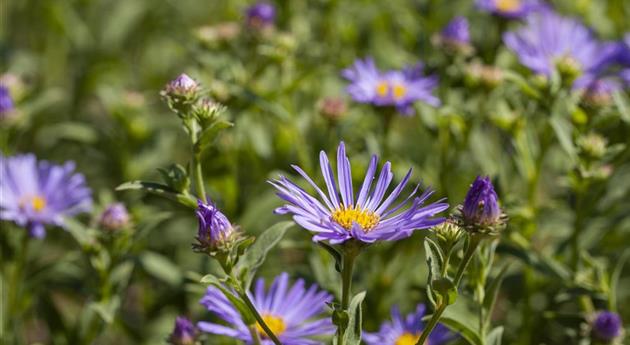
<point>161,190</point>
<point>160,267</point>
<point>465,331</point>
<point>335,254</point>
<point>209,134</point>
<point>614,279</point>
<point>622,104</point>
<point>492,292</point>
<point>564,129</point>
<point>352,336</point>
<point>495,336</point>
<point>236,300</point>
<point>435,258</point>
<point>446,289</point>
<point>256,254</point>
<point>107,309</point>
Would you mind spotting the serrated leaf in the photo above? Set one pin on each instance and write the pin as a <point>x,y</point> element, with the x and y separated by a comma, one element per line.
<point>161,190</point>
<point>257,252</point>
<point>352,336</point>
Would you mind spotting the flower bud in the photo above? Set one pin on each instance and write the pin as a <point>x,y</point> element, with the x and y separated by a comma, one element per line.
<point>599,93</point>
<point>6,103</point>
<point>592,145</point>
<point>447,233</point>
<point>481,211</point>
<point>484,75</point>
<point>206,109</point>
<point>222,32</point>
<point>569,69</point>
<point>260,16</point>
<point>184,333</point>
<point>215,230</point>
<point>606,328</point>
<point>181,91</point>
<point>455,36</point>
<point>115,217</point>
<point>332,108</point>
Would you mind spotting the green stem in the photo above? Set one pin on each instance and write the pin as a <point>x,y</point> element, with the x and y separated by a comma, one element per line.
<point>196,165</point>
<point>15,288</point>
<point>346,284</point>
<point>258,317</point>
<point>255,337</point>
<point>575,235</point>
<point>432,323</point>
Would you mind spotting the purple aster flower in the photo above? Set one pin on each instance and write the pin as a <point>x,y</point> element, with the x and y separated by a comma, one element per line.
<point>456,33</point>
<point>214,227</point>
<point>407,330</point>
<point>549,41</point>
<point>6,102</point>
<point>370,217</point>
<point>513,9</point>
<point>115,217</point>
<point>607,326</point>
<point>260,15</point>
<point>35,193</point>
<point>293,313</point>
<point>184,333</point>
<point>481,205</point>
<point>393,88</point>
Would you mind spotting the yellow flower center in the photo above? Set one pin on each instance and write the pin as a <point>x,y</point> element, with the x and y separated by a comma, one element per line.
<point>36,202</point>
<point>399,91</point>
<point>275,324</point>
<point>508,5</point>
<point>347,216</point>
<point>382,88</point>
<point>407,339</point>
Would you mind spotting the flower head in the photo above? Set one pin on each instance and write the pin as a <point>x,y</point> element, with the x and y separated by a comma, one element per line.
<point>6,102</point>
<point>551,42</point>
<point>406,330</point>
<point>393,88</point>
<point>513,9</point>
<point>181,90</point>
<point>456,35</point>
<point>368,216</point>
<point>215,230</point>
<point>291,312</point>
<point>260,15</point>
<point>607,326</point>
<point>115,217</point>
<point>481,205</point>
<point>35,193</point>
<point>184,333</point>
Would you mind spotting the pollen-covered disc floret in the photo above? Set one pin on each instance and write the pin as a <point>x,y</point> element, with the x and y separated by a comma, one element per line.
<point>37,193</point>
<point>292,313</point>
<point>369,216</point>
<point>406,330</point>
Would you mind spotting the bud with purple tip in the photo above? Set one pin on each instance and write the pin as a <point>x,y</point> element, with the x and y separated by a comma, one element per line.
<point>260,15</point>
<point>6,102</point>
<point>607,327</point>
<point>184,333</point>
<point>115,217</point>
<point>456,36</point>
<point>181,92</point>
<point>215,231</point>
<point>481,211</point>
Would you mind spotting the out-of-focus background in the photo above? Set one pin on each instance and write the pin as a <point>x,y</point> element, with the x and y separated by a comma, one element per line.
<point>85,76</point>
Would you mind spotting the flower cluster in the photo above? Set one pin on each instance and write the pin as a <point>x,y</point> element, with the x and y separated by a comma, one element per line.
<point>37,193</point>
<point>293,313</point>
<point>394,88</point>
<point>367,217</point>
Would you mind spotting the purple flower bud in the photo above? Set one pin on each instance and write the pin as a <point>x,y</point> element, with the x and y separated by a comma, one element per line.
<point>260,15</point>
<point>181,87</point>
<point>184,333</point>
<point>456,32</point>
<point>214,228</point>
<point>115,217</point>
<point>481,205</point>
<point>6,102</point>
<point>607,326</point>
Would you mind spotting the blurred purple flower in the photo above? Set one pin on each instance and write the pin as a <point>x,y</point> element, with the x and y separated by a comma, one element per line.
<point>513,9</point>
<point>6,102</point>
<point>607,326</point>
<point>35,193</point>
<point>407,330</point>
<point>369,218</point>
<point>214,227</point>
<point>260,15</point>
<point>549,41</point>
<point>456,32</point>
<point>115,217</point>
<point>481,205</point>
<point>184,333</point>
<point>289,311</point>
<point>598,90</point>
<point>393,88</point>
